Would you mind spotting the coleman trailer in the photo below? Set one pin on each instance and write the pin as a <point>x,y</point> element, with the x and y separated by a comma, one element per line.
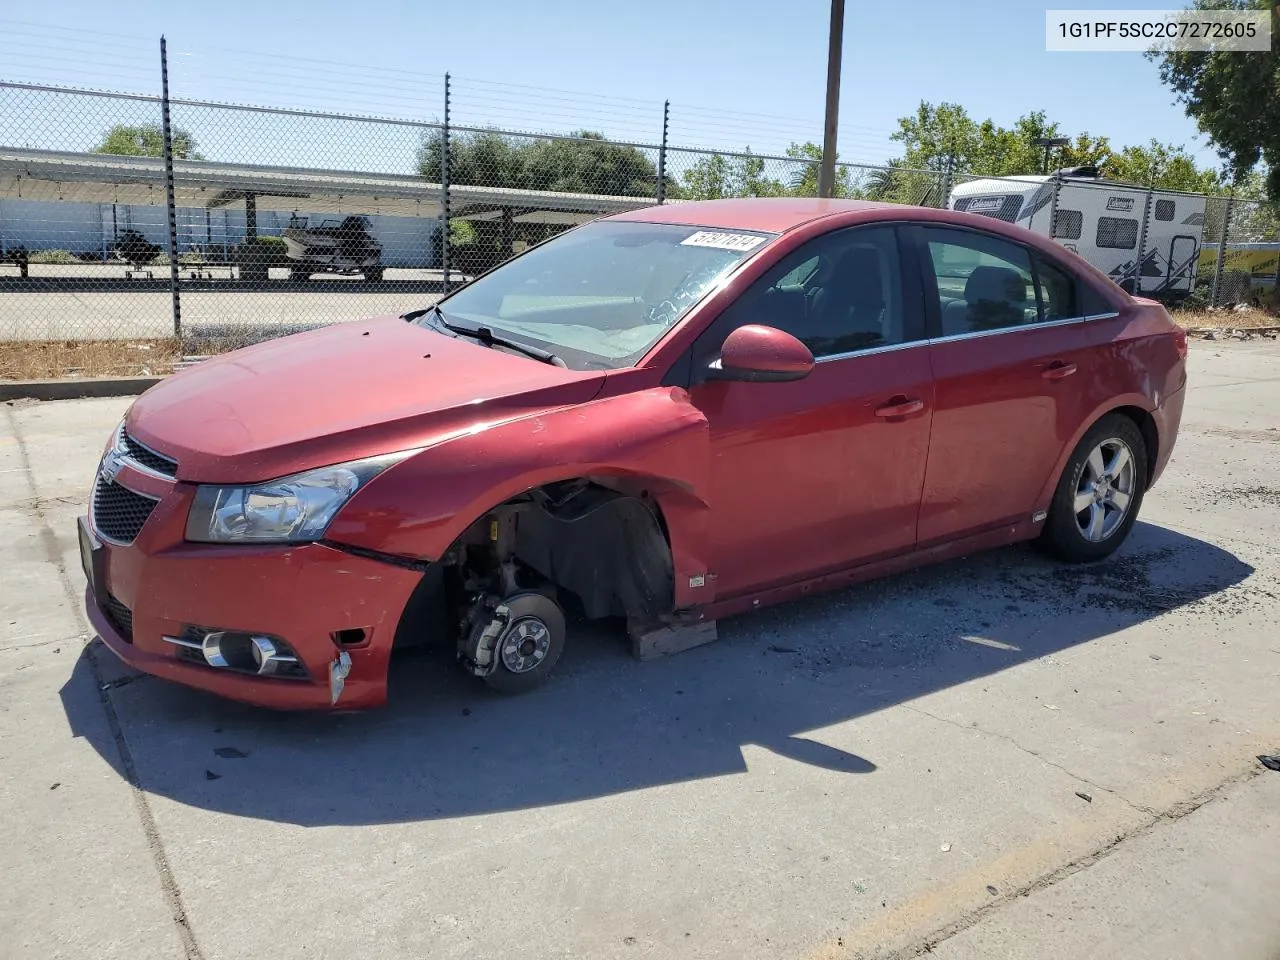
<point>1102,221</point>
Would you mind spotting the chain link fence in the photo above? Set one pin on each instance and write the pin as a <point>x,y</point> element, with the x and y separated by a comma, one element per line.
<point>1183,247</point>
<point>119,256</point>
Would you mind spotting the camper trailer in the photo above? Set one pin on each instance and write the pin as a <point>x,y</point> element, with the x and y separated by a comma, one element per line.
<point>1102,221</point>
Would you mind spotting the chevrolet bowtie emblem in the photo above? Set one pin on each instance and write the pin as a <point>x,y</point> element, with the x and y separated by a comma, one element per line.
<point>112,464</point>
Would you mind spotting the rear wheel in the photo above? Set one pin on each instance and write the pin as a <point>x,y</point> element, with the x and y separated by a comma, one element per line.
<point>1099,494</point>
<point>373,275</point>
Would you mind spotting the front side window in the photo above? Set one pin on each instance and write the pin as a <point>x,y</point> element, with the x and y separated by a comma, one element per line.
<point>601,296</point>
<point>984,282</point>
<point>839,293</point>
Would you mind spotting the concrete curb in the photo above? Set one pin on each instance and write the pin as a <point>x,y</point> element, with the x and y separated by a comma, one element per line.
<point>75,389</point>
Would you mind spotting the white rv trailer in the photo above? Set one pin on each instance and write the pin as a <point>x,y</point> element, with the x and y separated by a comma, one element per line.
<point>1102,221</point>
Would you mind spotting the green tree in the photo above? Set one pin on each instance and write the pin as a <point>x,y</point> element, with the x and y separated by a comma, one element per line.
<point>1233,97</point>
<point>587,163</point>
<point>804,181</point>
<point>1160,165</point>
<point>708,179</point>
<point>716,176</point>
<point>1086,151</point>
<point>934,133</point>
<point>147,140</point>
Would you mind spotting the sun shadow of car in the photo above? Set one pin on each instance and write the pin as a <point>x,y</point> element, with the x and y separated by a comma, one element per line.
<point>448,747</point>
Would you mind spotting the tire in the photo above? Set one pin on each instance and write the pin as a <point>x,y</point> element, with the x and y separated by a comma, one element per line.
<point>1087,535</point>
<point>527,651</point>
<point>373,275</point>
<point>299,273</point>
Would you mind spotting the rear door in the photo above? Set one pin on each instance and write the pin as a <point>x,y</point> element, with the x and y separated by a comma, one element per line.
<point>1184,253</point>
<point>1009,353</point>
<point>825,472</point>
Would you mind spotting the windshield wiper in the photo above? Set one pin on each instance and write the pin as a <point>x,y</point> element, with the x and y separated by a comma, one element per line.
<point>486,336</point>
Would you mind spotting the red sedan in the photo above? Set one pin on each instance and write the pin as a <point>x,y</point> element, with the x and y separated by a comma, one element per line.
<point>670,415</point>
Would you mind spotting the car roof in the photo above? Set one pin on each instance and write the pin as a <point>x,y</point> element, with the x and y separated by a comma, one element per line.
<point>770,214</point>
<point>781,214</point>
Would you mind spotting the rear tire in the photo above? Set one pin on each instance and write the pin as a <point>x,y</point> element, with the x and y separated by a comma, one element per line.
<point>1099,494</point>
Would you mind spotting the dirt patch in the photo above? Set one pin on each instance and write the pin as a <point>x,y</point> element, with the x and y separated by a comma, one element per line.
<point>75,359</point>
<point>55,359</point>
<point>1251,319</point>
<point>1254,496</point>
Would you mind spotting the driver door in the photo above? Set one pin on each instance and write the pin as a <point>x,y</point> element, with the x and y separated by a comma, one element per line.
<point>813,475</point>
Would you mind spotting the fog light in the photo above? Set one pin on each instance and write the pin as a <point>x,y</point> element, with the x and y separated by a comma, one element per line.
<point>267,655</point>
<point>211,646</point>
<point>242,652</point>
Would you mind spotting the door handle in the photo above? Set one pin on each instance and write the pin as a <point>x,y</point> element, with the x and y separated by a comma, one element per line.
<point>899,407</point>
<point>1058,370</point>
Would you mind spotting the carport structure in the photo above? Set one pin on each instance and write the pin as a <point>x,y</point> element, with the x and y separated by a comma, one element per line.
<point>44,175</point>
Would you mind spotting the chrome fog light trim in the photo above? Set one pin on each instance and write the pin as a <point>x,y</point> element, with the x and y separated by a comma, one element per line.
<point>267,655</point>
<point>212,647</point>
<point>181,642</point>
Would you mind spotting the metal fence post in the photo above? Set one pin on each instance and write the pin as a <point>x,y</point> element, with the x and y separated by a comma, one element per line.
<point>1222,250</point>
<point>1142,244</point>
<point>945,199</point>
<point>167,134</point>
<point>444,189</point>
<point>662,153</point>
<point>1053,204</point>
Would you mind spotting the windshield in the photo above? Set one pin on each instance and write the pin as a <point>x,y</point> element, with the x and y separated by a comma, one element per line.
<point>602,295</point>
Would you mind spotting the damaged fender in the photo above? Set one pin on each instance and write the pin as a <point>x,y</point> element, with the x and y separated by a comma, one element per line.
<point>651,444</point>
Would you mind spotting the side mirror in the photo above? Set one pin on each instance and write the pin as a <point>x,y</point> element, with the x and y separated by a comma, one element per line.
<point>761,354</point>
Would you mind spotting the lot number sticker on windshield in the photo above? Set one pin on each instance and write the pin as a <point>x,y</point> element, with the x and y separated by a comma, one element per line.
<point>722,241</point>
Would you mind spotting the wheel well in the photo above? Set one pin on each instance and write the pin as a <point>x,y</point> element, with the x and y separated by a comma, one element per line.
<point>603,542</point>
<point>1146,425</point>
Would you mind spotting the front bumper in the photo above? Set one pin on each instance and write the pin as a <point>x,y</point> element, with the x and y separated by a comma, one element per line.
<point>304,594</point>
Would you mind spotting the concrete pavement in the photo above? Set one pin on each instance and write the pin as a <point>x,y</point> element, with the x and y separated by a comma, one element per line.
<point>888,769</point>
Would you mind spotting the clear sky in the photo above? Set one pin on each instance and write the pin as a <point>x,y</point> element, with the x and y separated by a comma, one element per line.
<point>747,72</point>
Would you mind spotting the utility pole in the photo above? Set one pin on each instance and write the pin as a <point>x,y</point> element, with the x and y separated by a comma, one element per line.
<point>827,172</point>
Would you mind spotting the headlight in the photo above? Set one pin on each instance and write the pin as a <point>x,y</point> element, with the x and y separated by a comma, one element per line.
<point>290,510</point>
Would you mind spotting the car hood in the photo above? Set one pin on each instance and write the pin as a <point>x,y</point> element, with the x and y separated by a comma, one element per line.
<point>340,393</point>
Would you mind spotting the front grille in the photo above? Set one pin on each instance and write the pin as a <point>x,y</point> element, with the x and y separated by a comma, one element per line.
<point>147,457</point>
<point>121,617</point>
<point>119,513</point>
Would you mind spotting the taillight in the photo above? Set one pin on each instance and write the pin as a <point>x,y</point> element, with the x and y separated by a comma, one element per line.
<point>1180,341</point>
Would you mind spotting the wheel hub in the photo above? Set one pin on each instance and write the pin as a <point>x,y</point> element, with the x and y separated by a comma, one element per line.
<point>524,645</point>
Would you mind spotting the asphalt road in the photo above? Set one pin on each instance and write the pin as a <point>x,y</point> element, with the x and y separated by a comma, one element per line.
<point>894,768</point>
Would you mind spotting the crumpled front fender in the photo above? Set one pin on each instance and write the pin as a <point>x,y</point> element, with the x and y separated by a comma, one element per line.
<point>650,441</point>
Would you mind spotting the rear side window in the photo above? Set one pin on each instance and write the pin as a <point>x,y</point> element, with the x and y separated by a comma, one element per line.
<point>1117,233</point>
<point>1058,300</point>
<point>984,282</point>
<point>1092,302</point>
<point>1067,224</point>
<point>1164,209</point>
